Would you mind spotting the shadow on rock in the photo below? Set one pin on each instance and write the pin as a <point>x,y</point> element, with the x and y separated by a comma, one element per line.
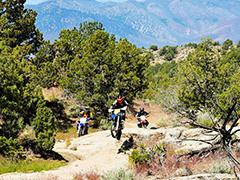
<point>53,155</point>
<point>127,145</point>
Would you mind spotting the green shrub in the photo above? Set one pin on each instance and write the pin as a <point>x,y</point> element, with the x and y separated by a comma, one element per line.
<point>227,44</point>
<point>163,122</point>
<point>206,122</point>
<point>192,45</point>
<point>74,111</point>
<point>45,127</point>
<point>105,124</point>
<point>159,149</point>
<point>238,44</point>
<point>119,175</point>
<point>204,119</point>
<point>153,47</point>
<point>162,86</point>
<point>168,52</point>
<point>139,157</point>
<point>143,155</point>
<point>10,148</point>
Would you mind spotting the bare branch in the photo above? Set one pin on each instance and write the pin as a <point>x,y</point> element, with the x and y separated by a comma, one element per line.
<point>216,123</point>
<point>235,122</point>
<point>230,110</point>
<point>204,127</point>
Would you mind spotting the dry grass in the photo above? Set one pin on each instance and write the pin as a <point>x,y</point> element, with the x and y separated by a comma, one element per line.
<point>69,134</point>
<point>210,163</point>
<point>157,115</point>
<point>52,93</point>
<point>168,121</point>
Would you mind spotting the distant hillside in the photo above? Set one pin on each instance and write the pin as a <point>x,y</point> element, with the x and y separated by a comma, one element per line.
<point>181,53</point>
<point>168,22</point>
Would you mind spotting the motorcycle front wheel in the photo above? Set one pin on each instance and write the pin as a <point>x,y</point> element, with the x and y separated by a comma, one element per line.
<point>79,132</point>
<point>139,125</point>
<point>145,124</point>
<point>113,131</point>
<point>119,134</point>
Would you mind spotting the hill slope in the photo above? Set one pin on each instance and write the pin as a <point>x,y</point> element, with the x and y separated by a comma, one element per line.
<point>146,22</point>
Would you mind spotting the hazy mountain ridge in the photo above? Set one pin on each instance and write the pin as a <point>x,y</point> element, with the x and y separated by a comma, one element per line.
<point>148,22</point>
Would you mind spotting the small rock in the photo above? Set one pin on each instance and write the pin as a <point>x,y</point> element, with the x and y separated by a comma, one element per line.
<point>183,172</point>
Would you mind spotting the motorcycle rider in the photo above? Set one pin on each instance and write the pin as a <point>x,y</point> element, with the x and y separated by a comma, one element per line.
<point>88,113</point>
<point>83,122</point>
<point>120,103</point>
<point>85,115</point>
<point>142,112</point>
<point>78,125</point>
<point>118,115</point>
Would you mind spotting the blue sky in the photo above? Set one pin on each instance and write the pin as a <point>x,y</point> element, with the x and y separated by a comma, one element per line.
<point>39,1</point>
<point>34,1</point>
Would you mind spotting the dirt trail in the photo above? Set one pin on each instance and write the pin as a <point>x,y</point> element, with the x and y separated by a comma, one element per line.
<point>96,152</point>
<point>155,113</point>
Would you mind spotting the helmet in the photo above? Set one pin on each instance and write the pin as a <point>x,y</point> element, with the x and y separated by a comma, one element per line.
<point>120,100</point>
<point>142,109</point>
<point>81,112</point>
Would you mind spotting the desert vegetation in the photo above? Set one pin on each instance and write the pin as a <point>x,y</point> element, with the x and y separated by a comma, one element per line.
<point>91,67</point>
<point>85,62</point>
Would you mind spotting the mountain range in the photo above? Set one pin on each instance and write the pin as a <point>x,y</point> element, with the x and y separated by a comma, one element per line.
<point>145,22</point>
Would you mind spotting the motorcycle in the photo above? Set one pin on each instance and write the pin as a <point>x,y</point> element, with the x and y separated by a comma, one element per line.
<point>117,116</point>
<point>83,126</point>
<point>142,121</point>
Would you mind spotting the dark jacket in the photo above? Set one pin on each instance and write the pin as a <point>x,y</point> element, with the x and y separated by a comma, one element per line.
<point>117,105</point>
<point>142,113</point>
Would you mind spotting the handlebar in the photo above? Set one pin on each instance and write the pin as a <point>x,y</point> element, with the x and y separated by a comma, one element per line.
<point>123,109</point>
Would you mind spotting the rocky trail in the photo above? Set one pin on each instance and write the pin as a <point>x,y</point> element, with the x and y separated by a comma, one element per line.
<point>98,152</point>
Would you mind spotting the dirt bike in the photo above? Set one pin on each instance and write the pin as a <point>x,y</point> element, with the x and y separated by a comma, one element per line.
<point>142,121</point>
<point>117,117</point>
<point>83,127</point>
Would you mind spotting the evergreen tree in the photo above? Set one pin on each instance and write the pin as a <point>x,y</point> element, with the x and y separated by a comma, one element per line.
<point>227,44</point>
<point>44,126</point>
<point>17,25</point>
<point>105,69</point>
<point>86,28</point>
<point>209,83</point>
